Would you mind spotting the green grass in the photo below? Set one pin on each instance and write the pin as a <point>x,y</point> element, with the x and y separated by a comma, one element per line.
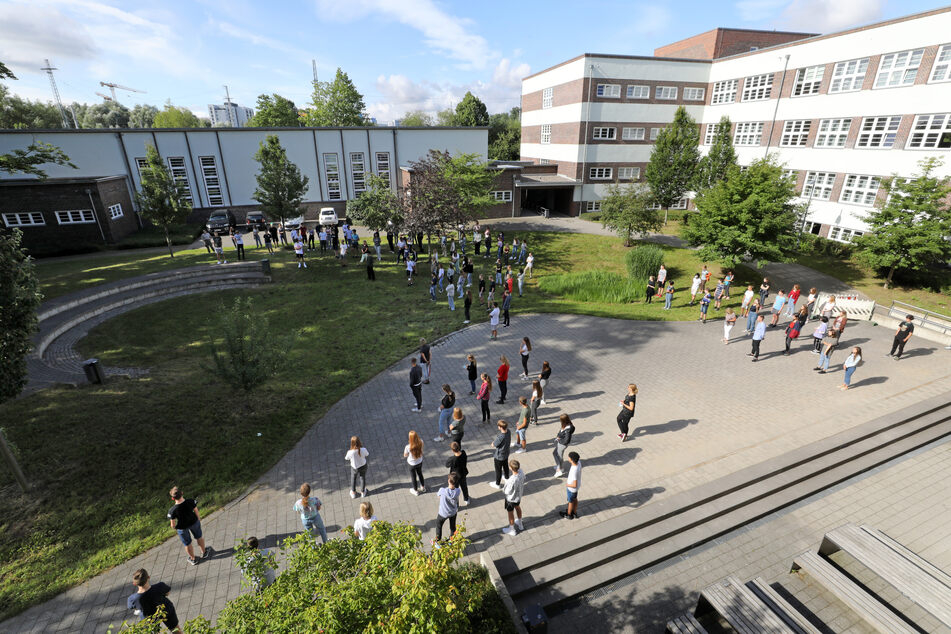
<point>102,458</point>
<point>153,236</point>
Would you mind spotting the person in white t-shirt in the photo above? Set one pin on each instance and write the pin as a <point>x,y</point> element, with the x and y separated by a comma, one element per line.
<point>661,277</point>
<point>494,320</point>
<point>573,486</point>
<point>747,299</point>
<point>364,524</point>
<point>695,288</point>
<point>410,270</point>
<point>529,265</point>
<point>299,252</point>
<point>358,466</point>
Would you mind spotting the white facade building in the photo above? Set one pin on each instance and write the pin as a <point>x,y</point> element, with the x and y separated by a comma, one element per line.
<point>841,111</point>
<point>229,114</point>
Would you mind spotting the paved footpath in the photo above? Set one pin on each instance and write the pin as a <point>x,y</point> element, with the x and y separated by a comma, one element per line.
<point>704,411</point>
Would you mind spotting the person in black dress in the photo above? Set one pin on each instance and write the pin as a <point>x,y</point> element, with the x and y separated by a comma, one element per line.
<point>468,306</point>
<point>627,411</point>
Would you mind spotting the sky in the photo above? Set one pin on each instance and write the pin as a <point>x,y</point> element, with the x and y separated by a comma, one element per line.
<point>403,55</point>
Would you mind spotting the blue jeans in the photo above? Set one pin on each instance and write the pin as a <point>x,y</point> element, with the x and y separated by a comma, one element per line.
<point>441,279</point>
<point>750,321</point>
<point>472,385</point>
<point>452,303</point>
<point>848,375</point>
<point>378,256</point>
<point>824,359</point>
<point>432,292</point>
<point>185,534</point>
<point>444,415</point>
<point>790,308</point>
<point>462,289</point>
<point>667,299</point>
<point>315,526</point>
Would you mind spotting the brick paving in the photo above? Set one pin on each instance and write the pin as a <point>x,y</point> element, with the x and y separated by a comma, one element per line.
<point>704,411</point>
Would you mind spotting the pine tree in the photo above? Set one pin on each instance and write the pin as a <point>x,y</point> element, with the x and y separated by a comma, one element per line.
<point>337,103</point>
<point>471,112</point>
<point>909,231</point>
<point>672,168</point>
<point>162,198</point>
<point>281,185</point>
<point>714,166</point>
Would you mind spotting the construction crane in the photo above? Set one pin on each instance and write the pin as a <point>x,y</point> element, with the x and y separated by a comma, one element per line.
<point>105,97</point>
<point>112,88</point>
<point>59,103</point>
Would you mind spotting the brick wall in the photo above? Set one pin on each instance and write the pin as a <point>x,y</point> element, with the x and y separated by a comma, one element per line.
<point>561,95</point>
<point>725,42</point>
<point>116,192</point>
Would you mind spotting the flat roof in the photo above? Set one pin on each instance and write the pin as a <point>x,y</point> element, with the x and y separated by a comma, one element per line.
<point>78,180</point>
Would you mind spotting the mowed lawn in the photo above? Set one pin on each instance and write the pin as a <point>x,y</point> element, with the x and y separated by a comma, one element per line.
<point>102,458</point>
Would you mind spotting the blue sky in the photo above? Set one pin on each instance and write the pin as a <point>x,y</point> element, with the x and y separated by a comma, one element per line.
<point>402,54</point>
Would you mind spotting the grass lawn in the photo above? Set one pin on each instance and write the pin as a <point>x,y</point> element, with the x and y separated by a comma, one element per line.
<point>672,228</point>
<point>180,425</point>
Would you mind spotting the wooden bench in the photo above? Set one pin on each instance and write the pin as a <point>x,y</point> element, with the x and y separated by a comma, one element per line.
<point>781,607</point>
<point>744,611</point>
<point>915,578</point>
<point>870,609</point>
<point>684,624</point>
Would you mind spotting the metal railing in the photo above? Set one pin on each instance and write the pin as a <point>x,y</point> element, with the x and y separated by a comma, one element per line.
<point>924,318</point>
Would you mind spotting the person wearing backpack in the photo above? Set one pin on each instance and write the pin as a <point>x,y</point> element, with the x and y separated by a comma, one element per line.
<point>794,327</point>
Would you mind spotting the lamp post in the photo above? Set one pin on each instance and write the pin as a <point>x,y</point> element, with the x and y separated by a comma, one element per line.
<point>805,211</point>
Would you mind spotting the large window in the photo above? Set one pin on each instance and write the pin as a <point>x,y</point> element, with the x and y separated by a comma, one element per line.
<point>795,133</point>
<point>608,134</point>
<point>878,132</point>
<point>818,185</point>
<point>655,132</point>
<point>609,90</point>
<point>633,134</point>
<point>758,87</point>
<point>931,131</point>
<point>115,211</point>
<point>600,173</point>
<point>898,69</point>
<point>628,173</point>
<point>332,168</point>
<point>176,165</point>
<point>666,92</point>
<point>547,98</point>
<point>849,76</point>
<point>209,173</point>
<point>545,134</point>
<point>638,92</point>
<point>724,91</point>
<point>843,235</point>
<point>504,196</point>
<point>941,71</point>
<point>859,189</point>
<point>833,133</point>
<point>749,133</point>
<point>808,81</point>
<point>694,94</point>
<point>75,217</point>
<point>383,165</point>
<point>358,172</point>
<point>592,205</point>
<point>24,219</point>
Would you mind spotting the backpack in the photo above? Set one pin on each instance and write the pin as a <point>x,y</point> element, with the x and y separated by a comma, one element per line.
<point>793,329</point>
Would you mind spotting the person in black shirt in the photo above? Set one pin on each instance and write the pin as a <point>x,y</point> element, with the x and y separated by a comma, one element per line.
<point>389,239</point>
<point>426,358</point>
<point>902,335</point>
<point>148,598</point>
<point>416,384</point>
<point>184,518</point>
<point>458,464</point>
<point>468,307</point>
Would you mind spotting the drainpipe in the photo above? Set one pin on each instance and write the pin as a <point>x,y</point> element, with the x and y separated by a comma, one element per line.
<point>95,214</point>
<point>782,83</point>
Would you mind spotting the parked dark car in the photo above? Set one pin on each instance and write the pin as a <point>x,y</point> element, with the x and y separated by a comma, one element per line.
<point>221,222</point>
<point>256,219</point>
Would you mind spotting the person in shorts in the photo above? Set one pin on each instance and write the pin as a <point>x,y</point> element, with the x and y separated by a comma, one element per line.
<point>148,598</point>
<point>219,250</point>
<point>184,518</point>
<point>573,486</point>
<point>513,487</point>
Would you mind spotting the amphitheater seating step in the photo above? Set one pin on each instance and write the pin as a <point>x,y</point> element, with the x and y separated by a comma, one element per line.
<point>744,611</point>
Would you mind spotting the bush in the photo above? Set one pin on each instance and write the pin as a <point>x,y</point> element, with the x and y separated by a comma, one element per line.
<point>152,236</point>
<point>813,244</point>
<point>593,216</point>
<point>591,286</point>
<point>643,261</point>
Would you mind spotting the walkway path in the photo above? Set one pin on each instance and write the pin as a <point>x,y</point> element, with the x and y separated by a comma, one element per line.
<point>704,411</point>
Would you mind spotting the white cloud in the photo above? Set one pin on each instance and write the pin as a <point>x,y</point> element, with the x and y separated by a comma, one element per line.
<point>28,34</point>
<point>260,40</point>
<point>443,32</point>
<point>759,10</point>
<point>813,16</point>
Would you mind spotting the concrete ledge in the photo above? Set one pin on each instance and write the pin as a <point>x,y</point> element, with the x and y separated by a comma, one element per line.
<point>496,579</point>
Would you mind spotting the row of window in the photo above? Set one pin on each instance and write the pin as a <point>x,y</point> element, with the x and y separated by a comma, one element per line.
<point>930,131</point>
<point>69,217</point>
<point>595,205</point>
<point>840,234</point>
<point>627,134</point>
<point>666,93</point>
<point>607,173</point>
<point>857,189</point>
<point>502,196</point>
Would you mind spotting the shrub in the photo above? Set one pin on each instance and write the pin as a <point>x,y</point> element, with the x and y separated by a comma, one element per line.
<point>643,261</point>
<point>813,244</point>
<point>590,286</point>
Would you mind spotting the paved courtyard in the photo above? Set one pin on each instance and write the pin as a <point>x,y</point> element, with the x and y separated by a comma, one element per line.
<point>704,411</point>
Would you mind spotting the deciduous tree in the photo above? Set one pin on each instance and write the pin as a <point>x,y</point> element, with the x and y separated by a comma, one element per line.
<point>28,161</point>
<point>18,113</point>
<point>416,119</point>
<point>281,185</point>
<point>108,114</point>
<point>446,118</point>
<point>274,111</point>
<point>628,210</point>
<point>377,206</point>
<point>909,231</point>
<point>337,103</point>
<point>142,116</point>
<point>672,168</point>
<point>174,117</point>
<point>161,199</point>
<point>714,166</point>
<point>19,299</point>
<point>505,135</point>
<point>471,112</point>
<point>251,352</point>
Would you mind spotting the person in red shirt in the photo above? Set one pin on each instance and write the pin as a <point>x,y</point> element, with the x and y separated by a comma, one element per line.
<point>508,282</point>
<point>502,376</point>
<point>791,300</point>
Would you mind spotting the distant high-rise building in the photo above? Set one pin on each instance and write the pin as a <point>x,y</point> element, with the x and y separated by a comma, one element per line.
<point>237,117</point>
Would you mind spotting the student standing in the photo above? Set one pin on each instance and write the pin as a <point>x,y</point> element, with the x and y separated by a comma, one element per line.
<point>413,452</point>
<point>448,507</point>
<point>794,328</point>
<point>371,274</point>
<point>506,305</point>
<point>777,308</point>
<point>543,378</point>
<point>627,411</point>
<point>704,306</point>
<point>148,598</point>
<point>450,294</point>
<point>219,250</point>
<point>763,291</point>
<point>694,288</point>
<point>299,253</point>
<point>535,400</point>
<point>751,315</point>
<point>457,426</point>
<point>458,464</point>
<point>529,265</point>
<point>562,440</point>
<point>747,299</point>
<point>727,281</point>
<point>410,271</point>
<point>850,364</point>
<point>704,277</point>
<point>467,307</point>
<point>239,244</point>
<point>811,299</point>
<point>502,377</point>
<point>184,518</point>
<point>446,406</point>
<point>472,372</point>
<point>521,283</point>
<point>669,295</point>
<point>485,393</point>
<point>819,333</point>
<point>651,289</point>
<point>661,278</point>
<point>494,321</point>
<point>500,454</point>
<point>377,242</point>
<point>426,359</point>
<point>268,242</point>
<point>524,350</point>
<point>718,292</point>
<point>904,332</point>
<point>791,299</point>
<point>573,485</point>
<point>759,333</point>
<point>206,240</point>
<point>514,486</point>
<point>364,524</point>
<point>729,320</point>
<point>416,384</point>
<point>357,455</point>
<point>521,427</point>
<point>309,509</point>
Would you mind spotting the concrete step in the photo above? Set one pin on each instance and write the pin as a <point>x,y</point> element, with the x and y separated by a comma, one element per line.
<point>587,559</point>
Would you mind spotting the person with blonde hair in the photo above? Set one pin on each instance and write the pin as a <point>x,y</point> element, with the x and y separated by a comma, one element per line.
<point>364,524</point>
<point>309,509</point>
<point>414,458</point>
<point>457,426</point>
<point>627,411</point>
<point>358,466</point>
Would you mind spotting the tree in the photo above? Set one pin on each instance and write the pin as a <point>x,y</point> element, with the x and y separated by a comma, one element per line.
<point>274,111</point>
<point>377,206</point>
<point>108,114</point>
<point>19,298</point>
<point>416,119</point>
<point>162,198</point>
<point>750,214</point>
<point>6,73</point>
<point>281,186</point>
<point>174,117</point>
<point>28,161</point>
<point>446,118</point>
<point>251,352</point>
<point>909,230</point>
<point>628,210</point>
<point>714,166</point>
<point>142,116</point>
<point>17,113</point>
<point>337,103</point>
<point>471,112</point>
<point>505,135</point>
<point>672,168</point>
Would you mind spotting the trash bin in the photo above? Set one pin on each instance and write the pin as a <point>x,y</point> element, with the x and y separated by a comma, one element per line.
<point>93,371</point>
<point>535,619</point>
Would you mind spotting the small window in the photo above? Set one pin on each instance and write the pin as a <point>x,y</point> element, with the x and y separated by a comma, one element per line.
<point>655,132</point>
<point>878,132</point>
<point>628,173</point>
<point>859,189</point>
<point>931,131</point>
<point>834,234</point>
<point>592,205</point>
<point>24,219</point>
<point>849,76</point>
<point>724,91</point>
<point>795,133</point>
<point>758,87</point>
<point>547,98</point>
<point>833,133</point>
<point>502,196</point>
<point>899,69</point>
<point>612,91</point>
<point>748,133</point>
<point>638,92</point>
<point>608,134</point>
<point>942,65</point>
<point>666,92</point>
<point>808,81</point>
<point>545,134</point>
<point>75,217</point>
<point>544,162</point>
<point>115,211</point>
<point>600,173</point>
<point>694,94</point>
<point>633,134</point>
